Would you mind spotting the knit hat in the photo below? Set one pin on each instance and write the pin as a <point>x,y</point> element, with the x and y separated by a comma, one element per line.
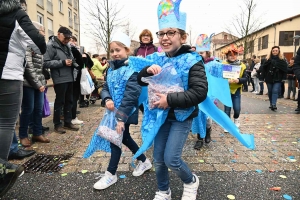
<point>169,15</point>
<point>121,37</point>
<point>203,42</point>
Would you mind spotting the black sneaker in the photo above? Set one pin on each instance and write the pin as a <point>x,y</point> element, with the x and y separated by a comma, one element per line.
<point>297,109</point>
<point>199,144</point>
<point>9,173</point>
<point>274,108</point>
<point>260,93</point>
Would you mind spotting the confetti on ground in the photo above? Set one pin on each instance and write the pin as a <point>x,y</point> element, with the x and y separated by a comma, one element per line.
<point>64,174</point>
<point>84,171</point>
<point>258,171</point>
<point>230,196</point>
<point>275,188</point>
<point>201,161</point>
<point>271,170</point>
<point>231,150</point>
<point>122,176</point>
<point>282,176</point>
<point>233,161</point>
<point>287,197</point>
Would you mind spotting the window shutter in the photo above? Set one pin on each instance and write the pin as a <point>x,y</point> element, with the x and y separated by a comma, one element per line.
<point>259,44</point>
<point>267,41</point>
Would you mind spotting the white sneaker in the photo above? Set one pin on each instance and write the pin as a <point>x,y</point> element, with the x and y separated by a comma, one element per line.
<point>237,122</point>
<point>107,180</point>
<point>255,92</point>
<point>190,190</point>
<point>142,167</point>
<point>162,196</point>
<point>76,121</point>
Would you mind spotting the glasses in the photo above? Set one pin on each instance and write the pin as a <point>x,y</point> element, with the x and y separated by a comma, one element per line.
<point>169,34</point>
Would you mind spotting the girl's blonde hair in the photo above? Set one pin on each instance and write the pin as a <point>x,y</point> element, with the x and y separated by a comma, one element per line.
<point>123,45</point>
<point>280,55</point>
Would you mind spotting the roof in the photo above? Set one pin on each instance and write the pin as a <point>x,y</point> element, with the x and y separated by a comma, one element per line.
<point>275,23</point>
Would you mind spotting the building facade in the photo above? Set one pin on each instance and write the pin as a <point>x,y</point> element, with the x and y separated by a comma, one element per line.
<point>259,43</point>
<point>54,14</point>
<point>221,39</point>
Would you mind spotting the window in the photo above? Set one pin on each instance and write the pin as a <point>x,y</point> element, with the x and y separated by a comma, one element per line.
<point>225,37</point>
<point>297,40</point>
<point>40,3</point>
<point>286,38</point>
<point>60,6</point>
<point>259,44</point>
<point>75,22</point>
<point>265,41</point>
<point>76,4</point>
<point>50,6</point>
<point>250,46</point>
<point>50,27</point>
<point>40,18</point>
<point>70,18</point>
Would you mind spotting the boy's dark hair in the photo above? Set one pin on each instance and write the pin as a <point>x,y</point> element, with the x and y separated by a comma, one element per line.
<point>95,55</point>
<point>254,56</point>
<point>103,58</point>
<point>23,1</point>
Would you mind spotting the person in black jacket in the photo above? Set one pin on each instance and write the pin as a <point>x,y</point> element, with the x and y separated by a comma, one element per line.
<point>296,69</point>
<point>274,71</point>
<point>291,80</point>
<point>16,33</point>
<point>261,81</point>
<point>60,60</point>
<point>172,134</point>
<point>77,75</point>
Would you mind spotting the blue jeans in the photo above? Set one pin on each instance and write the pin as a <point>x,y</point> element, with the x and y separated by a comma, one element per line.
<point>168,146</point>
<point>273,91</point>
<point>14,147</point>
<point>236,103</point>
<point>32,105</point>
<point>116,151</point>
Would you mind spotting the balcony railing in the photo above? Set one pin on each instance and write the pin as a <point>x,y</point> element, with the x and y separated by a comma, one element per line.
<point>76,26</point>
<point>40,3</point>
<point>50,7</point>
<point>76,4</point>
<point>71,22</point>
<point>50,33</point>
<point>70,2</point>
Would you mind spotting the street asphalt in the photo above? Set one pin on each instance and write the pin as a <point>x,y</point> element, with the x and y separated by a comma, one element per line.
<point>213,186</point>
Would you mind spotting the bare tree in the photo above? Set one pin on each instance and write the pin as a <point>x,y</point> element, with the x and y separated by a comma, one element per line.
<point>129,29</point>
<point>245,24</point>
<point>103,17</point>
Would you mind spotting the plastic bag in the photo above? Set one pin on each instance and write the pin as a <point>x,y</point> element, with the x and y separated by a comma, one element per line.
<point>107,128</point>
<point>86,82</point>
<point>46,106</point>
<point>167,81</point>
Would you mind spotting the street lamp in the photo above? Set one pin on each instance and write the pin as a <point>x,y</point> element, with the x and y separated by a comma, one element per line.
<point>295,38</point>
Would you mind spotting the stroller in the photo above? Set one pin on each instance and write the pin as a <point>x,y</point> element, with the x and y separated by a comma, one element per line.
<point>96,93</point>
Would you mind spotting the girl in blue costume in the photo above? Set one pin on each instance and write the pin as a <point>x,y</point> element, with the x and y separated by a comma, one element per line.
<point>173,132</point>
<point>202,122</point>
<point>121,91</point>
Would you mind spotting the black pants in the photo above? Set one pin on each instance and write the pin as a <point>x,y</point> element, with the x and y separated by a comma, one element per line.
<point>11,92</point>
<point>81,99</point>
<point>250,80</point>
<point>63,99</point>
<point>76,95</point>
<point>261,85</point>
<point>116,151</point>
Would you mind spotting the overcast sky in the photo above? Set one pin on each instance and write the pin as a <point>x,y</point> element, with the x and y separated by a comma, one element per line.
<point>204,16</point>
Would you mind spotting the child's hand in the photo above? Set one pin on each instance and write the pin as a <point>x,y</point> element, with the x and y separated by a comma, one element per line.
<point>154,69</point>
<point>120,127</point>
<point>162,103</point>
<point>110,105</point>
